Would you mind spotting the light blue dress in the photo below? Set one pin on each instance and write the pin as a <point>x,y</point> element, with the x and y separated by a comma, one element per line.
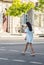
<point>29,35</point>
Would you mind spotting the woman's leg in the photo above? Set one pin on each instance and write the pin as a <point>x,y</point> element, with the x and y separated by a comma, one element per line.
<point>26,46</point>
<point>32,48</point>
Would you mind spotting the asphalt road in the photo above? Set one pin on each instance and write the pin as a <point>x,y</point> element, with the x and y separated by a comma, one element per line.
<point>12,55</point>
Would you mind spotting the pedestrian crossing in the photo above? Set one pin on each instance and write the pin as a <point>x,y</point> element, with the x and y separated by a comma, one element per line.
<point>19,60</point>
<point>17,51</point>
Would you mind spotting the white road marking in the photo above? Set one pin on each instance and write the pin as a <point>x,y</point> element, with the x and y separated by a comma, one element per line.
<point>34,62</point>
<point>20,51</point>
<point>3,58</point>
<point>14,50</point>
<point>36,53</point>
<point>17,51</point>
<point>17,60</point>
<point>26,52</point>
<point>39,53</point>
<point>2,49</point>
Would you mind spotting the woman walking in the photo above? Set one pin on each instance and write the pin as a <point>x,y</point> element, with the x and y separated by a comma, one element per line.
<point>29,38</point>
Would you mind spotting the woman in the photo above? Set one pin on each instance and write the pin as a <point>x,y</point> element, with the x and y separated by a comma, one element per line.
<point>29,38</point>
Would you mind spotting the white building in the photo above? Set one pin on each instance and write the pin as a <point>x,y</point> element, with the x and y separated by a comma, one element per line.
<point>38,22</point>
<point>36,18</point>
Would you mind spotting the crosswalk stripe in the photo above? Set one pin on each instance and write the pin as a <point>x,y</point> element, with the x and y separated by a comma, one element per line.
<point>3,58</point>
<point>26,52</point>
<point>35,62</point>
<point>14,50</point>
<point>2,49</point>
<point>17,60</point>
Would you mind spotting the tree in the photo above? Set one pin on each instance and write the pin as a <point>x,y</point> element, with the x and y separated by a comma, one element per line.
<point>18,8</point>
<point>40,5</point>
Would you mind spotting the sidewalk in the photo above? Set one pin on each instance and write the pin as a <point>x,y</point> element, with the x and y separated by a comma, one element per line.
<point>7,37</point>
<point>4,35</point>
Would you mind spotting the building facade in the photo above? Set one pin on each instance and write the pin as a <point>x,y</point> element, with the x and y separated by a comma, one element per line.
<point>36,18</point>
<point>38,22</point>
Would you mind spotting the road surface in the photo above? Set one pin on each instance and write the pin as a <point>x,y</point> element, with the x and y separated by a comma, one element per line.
<point>11,54</point>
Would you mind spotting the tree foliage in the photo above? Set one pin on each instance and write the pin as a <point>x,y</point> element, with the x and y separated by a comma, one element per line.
<point>40,5</point>
<point>18,8</point>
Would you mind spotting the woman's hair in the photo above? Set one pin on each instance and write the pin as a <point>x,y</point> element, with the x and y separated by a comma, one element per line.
<point>29,26</point>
